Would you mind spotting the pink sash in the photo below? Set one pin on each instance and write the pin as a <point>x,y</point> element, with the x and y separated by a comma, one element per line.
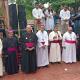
<point>55,41</point>
<point>12,49</point>
<point>29,44</point>
<point>70,41</point>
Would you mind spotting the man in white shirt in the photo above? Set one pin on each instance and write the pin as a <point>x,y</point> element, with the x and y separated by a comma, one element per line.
<point>69,46</point>
<point>38,15</point>
<point>65,16</point>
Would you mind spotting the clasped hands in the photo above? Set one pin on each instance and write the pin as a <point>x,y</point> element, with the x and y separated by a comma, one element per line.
<point>30,49</point>
<point>43,46</point>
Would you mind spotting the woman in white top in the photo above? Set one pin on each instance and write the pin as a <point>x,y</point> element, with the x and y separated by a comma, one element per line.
<point>49,13</point>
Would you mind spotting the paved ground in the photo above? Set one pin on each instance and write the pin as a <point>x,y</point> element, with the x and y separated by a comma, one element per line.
<point>53,72</point>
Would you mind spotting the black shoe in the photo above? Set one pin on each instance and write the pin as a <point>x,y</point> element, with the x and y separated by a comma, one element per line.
<point>59,62</point>
<point>1,76</point>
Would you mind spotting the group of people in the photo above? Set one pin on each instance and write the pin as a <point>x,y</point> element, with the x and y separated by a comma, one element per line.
<point>37,49</point>
<point>49,17</point>
<point>41,48</point>
<point>45,16</point>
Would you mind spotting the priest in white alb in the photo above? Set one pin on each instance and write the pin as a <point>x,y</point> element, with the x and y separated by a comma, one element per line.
<point>55,50</point>
<point>69,46</point>
<point>42,48</point>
